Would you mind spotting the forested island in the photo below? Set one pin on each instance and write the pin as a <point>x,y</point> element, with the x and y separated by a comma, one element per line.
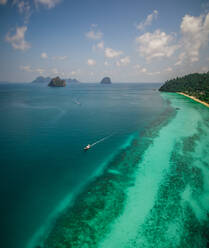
<point>196,85</point>
<point>57,82</point>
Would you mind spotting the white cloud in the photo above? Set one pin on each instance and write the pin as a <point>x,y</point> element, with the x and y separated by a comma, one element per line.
<point>17,40</point>
<point>110,53</point>
<point>168,69</point>
<point>144,70</point>
<point>26,68</point>
<point>205,69</point>
<point>137,67</point>
<point>60,57</point>
<point>123,61</point>
<point>23,8</point>
<point>44,56</point>
<point>153,73</point>
<point>148,20</point>
<point>117,63</point>
<point>94,35</point>
<point>73,73</point>
<point>180,58</point>
<point>54,71</point>
<point>195,35</point>
<point>155,45</point>
<point>100,45</point>
<point>48,3</point>
<point>3,2</point>
<point>40,70</point>
<point>91,62</point>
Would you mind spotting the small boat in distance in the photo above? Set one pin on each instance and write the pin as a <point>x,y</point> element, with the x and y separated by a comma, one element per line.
<point>98,141</point>
<point>87,147</point>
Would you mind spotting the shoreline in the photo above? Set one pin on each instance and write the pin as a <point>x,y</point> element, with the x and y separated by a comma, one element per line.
<point>193,98</point>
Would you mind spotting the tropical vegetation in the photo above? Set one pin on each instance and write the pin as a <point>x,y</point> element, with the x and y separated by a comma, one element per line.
<point>196,84</point>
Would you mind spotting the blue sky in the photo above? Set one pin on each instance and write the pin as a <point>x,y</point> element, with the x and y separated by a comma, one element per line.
<point>128,40</point>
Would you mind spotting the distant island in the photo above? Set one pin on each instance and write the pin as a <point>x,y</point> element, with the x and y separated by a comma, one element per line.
<point>72,81</point>
<point>42,80</point>
<point>195,86</point>
<point>106,80</point>
<point>57,82</point>
<point>48,79</point>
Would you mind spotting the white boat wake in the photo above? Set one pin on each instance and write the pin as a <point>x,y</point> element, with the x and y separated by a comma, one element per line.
<point>101,140</point>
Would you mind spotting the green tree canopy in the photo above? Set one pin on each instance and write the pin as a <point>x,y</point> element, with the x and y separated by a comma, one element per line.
<point>196,84</point>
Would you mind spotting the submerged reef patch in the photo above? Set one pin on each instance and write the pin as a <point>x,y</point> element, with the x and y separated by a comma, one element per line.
<point>88,220</point>
<point>178,215</point>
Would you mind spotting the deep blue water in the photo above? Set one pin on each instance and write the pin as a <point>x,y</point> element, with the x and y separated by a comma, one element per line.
<point>42,134</point>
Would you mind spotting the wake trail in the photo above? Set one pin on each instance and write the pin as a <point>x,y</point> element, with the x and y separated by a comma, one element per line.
<point>101,140</point>
<point>75,100</point>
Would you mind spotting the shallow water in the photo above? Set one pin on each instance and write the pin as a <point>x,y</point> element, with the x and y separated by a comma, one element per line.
<point>153,193</point>
<point>169,202</point>
<point>145,185</point>
<point>42,134</point>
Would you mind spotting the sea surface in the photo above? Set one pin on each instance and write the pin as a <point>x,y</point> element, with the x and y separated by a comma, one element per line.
<point>144,183</point>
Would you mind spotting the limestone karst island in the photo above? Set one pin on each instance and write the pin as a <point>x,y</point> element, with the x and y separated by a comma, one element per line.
<point>106,80</point>
<point>57,82</point>
<point>104,124</point>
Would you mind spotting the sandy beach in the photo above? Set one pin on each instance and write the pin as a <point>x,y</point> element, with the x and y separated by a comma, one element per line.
<point>194,98</point>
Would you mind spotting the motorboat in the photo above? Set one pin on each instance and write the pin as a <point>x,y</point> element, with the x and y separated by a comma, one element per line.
<point>87,147</point>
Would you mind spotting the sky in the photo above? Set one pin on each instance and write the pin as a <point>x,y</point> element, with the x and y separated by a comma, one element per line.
<point>127,40</point>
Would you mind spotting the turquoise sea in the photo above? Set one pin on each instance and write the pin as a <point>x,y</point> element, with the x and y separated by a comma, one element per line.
<point>145,183</point>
